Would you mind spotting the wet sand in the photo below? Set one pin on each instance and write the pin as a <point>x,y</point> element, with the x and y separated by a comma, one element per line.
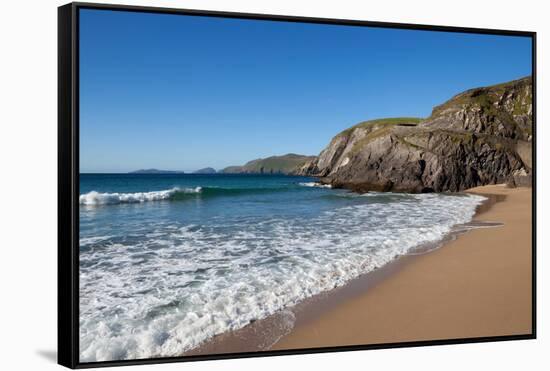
<point>477,284</point>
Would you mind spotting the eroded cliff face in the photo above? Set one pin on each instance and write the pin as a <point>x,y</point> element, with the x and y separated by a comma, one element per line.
<point>482,136</point>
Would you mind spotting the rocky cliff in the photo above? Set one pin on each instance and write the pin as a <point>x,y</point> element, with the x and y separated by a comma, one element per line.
<point>287,164</point>
<point>481,136</point>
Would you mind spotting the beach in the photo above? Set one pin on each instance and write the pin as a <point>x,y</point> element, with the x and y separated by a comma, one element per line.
<point>243,272</point>
<point>477,284</point>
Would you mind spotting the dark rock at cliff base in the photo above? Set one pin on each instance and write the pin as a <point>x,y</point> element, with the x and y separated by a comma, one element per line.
<point>482,136</point>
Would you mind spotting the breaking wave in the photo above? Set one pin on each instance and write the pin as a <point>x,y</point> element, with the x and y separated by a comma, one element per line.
<point>95,198</point>
<point>315,184</point>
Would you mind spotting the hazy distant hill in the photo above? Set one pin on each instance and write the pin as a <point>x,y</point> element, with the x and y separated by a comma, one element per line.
<point>287,164</point>
<point>155,171</point>
<point>206,170</point>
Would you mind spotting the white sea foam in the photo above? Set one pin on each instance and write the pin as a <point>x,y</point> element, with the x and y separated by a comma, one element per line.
<point>315,184</point>
<point>93,240</point>
<point>96,198</point>
<point>187,283</point>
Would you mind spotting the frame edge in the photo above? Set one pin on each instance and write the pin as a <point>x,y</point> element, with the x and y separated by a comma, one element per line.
<point>299,19</point>
<point>68,166</point>
<point>67,339</point>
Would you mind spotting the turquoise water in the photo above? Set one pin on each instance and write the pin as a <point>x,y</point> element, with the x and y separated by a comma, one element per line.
<point>168,261</point>
<point>227,197</point>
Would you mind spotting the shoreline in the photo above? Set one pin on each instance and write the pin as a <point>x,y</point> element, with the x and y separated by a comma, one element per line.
<point>431,293</point>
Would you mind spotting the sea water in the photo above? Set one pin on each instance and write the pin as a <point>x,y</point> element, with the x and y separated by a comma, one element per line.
<point>169,260</point>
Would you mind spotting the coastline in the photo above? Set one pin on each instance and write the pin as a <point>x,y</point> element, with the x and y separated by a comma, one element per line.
<point>476,284</point>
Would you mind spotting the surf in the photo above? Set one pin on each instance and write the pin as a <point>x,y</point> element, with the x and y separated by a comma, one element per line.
<point>94,198</point>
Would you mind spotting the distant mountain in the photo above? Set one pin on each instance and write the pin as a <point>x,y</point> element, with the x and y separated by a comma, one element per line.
<point>155,171</point>
<point>288,164</point>
<point>206,170</point>
<point>232,170</point>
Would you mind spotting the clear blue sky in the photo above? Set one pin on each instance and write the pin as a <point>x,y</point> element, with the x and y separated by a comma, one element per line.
<point>184,92</point>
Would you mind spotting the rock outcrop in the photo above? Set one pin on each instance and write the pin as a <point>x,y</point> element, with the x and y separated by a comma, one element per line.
<point>287,164</point>
<point>481,136</point>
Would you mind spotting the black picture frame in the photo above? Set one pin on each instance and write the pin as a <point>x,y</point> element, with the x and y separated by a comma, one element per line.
<point>68,182</point>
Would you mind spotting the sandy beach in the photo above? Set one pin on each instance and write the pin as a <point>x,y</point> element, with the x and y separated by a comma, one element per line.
<point>477,285</point>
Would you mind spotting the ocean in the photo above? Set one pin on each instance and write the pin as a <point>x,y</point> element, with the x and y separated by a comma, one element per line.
<point>169,260</point>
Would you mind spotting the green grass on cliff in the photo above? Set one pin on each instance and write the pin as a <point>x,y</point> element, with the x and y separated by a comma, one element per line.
<point>502,87</point>
<point>383,123</point>
<point>485,97</point>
